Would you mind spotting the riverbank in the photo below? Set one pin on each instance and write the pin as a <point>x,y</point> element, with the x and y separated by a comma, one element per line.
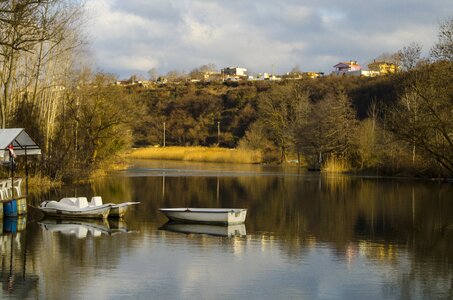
<point>201,154</point>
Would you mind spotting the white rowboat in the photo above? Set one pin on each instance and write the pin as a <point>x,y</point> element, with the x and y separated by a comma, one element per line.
<point>206,215</point>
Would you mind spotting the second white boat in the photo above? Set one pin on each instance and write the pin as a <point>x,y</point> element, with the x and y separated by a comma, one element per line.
<point>206,215</point>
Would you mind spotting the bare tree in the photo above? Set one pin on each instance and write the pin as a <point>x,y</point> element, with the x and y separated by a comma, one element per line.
<point>443,49</point>
<point>31,36</point>
<point>410,56</point>
<point>153,75</point>
<point>283,111</point>
<point>331,128</point>
<point>423,119</point>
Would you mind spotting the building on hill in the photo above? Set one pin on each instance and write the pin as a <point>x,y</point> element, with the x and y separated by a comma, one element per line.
<point>196,76</point>
<point>234,72</point>
<point>362,73</point>
<point>383,67</point>
<point>300,75</point>
<point>352,68</point>
<point>343,68</point>
<point>313,74</point>
<point>265,76</point>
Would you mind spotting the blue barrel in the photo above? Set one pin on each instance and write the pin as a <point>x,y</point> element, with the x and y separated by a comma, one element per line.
<point>10,225</point>
<point>10,208</point>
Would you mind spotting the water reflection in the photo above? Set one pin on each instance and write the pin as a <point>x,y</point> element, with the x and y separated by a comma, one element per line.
<point>84,227</point>
<point>215,230</point>
<point>308,235</point>
<point>16,280</point>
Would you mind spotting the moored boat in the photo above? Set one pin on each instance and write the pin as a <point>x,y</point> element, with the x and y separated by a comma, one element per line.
<point>74,208</point>
<point>118,210</point>
<point>206,215</point>
<point>79,207</point>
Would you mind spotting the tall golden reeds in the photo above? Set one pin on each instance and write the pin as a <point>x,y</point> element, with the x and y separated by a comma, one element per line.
<point>336,165</point>
<point>202,154</point>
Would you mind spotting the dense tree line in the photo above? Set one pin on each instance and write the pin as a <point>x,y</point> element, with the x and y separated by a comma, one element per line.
<point>394,124</point>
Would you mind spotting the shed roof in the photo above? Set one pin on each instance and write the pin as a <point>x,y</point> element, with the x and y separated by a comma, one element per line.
<point>20,140</point>
<point>342,65</point>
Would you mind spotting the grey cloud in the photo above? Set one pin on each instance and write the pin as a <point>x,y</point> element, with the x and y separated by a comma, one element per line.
<point>184,34</point>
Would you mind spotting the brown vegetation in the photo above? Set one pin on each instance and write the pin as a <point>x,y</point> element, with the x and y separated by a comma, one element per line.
<point>202,154</point>
<point>362,120</point>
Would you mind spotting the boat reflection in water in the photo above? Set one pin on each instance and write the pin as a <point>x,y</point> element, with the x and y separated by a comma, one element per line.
<point>84,227</point>
<point>215,230</point>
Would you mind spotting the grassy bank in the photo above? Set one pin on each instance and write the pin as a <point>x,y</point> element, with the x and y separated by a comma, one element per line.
<point>336,165</point>
<point>40,184</point>
<point>202,154</point>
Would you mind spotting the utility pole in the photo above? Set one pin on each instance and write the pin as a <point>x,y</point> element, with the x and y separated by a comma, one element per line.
<point>164,136</point>
<point>218,133</point>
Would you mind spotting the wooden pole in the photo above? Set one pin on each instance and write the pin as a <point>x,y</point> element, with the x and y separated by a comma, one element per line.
<point>26,173</point>
<point>218,133</point>
<point>164,135</point>
<point>11,160</point>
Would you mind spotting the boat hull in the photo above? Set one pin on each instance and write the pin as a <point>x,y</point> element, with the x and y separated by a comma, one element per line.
<point>119,210</point>
<point>62,211</point>
<point>206,215</point>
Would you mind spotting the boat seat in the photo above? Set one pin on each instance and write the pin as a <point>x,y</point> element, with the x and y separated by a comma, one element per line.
<point>69,201</point>
<point>81,202</point>
<point>96,201</point>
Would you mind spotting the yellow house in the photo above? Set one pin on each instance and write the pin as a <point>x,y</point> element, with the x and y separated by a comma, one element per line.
<point>383,67</point>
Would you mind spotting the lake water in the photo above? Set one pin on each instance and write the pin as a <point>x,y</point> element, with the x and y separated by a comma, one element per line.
<point>306,236</point>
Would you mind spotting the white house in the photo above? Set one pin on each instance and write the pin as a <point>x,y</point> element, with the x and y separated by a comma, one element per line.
<point>234,72</point>
<point>343,68</point>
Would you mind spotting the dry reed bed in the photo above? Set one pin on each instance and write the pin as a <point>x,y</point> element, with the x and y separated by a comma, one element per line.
<point>336,165</point>
<point>202,154</point>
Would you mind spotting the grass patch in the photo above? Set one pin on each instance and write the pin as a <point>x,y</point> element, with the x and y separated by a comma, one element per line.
<point>336,165</point>
<point>201,154</point>
<point>40,184</point>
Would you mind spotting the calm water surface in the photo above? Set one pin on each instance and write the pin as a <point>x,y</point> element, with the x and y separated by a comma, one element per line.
<point>307,236</point>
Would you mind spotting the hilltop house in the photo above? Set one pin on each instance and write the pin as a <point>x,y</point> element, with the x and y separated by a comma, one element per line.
<point>234,72</point>
<point>383,67</point>
<point>352,68</point>
<point>343,68</point>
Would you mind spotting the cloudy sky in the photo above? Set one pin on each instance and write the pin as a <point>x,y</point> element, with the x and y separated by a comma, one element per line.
<point>133,36</point>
